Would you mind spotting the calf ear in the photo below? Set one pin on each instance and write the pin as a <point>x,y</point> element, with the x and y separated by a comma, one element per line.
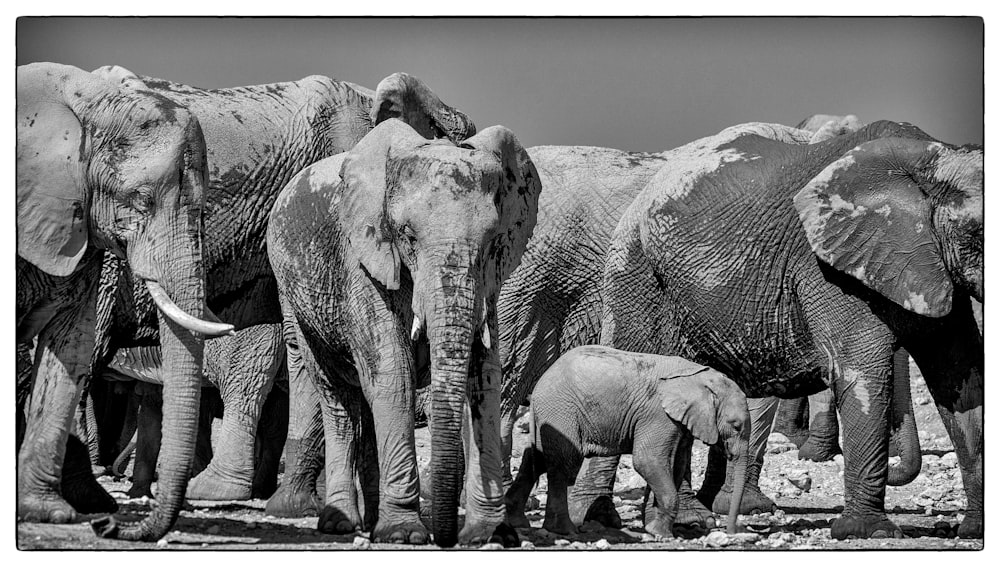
<point>689,400</point>
<point>866,215</point>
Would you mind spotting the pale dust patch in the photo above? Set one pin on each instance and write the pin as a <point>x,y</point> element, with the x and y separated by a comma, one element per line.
<point>916,303</point>
<point>884,210</point>
<point>837,203</point>
<point>854,380</point>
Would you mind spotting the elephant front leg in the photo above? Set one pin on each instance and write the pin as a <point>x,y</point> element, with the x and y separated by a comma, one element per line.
<point>484,501</point>
<point>591,497</point>
<point>62,360</point>
<point>148,437</point>
<point>343,407</point>
<point>951,361</point>
<point>862,396</point>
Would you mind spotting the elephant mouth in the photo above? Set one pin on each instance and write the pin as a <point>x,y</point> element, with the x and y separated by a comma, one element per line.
<point>212,327</point>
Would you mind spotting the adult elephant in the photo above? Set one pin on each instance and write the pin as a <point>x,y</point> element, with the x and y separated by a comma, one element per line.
<point>390,254</point>
<point>104,168</point>
<point>257,138</point>
<point>794,268</point>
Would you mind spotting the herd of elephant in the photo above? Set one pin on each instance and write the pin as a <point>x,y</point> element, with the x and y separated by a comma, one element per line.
<point>366,257</point>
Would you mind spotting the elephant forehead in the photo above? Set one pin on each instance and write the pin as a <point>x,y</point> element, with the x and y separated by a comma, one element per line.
<point>441,168</point>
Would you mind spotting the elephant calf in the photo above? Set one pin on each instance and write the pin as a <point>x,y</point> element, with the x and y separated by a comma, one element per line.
<point>598,401</point>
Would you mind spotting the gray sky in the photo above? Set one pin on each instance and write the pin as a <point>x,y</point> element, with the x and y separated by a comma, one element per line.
<point>634,84</point>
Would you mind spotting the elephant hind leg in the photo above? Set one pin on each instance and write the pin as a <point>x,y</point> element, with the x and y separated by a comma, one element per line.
<point>79,486</point>
<point>531,468</point>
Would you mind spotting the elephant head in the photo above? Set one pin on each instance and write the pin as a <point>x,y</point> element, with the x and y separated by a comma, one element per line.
<point>454,220</point>
<point>407,98</point>
<point>904,217</point>
<point>826,126</point>
<point>124,171</point>
<point>714,409</point>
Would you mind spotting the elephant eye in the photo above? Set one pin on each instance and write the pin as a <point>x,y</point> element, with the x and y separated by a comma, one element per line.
<point>141,200</point>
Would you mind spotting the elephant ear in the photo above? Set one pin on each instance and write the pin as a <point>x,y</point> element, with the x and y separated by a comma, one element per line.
<point>365,200</point>
<point>407,98</point>
<point>866,215</point>
<point>52,160</point>
<point>516,198</point>
<point>689,400</point>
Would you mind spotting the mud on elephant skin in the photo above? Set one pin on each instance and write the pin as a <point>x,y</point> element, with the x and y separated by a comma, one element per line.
<point>406,241</point>
<point>598,401</point>
<point>879,234</point>
<point>102,168</point>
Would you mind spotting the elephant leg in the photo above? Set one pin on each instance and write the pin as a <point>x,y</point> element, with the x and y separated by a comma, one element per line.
<point>484,489</point>
<point>762,411</point>
<point>148,437</point>
<point>79,485</point>
<point>531,468</point>
<point>862,393</point>
<point>125,444</point>
<point>343,406</point>
<point>951,360</point>
<point>304,448</point>
<point>62,360</point>
<point>508,416</point>
<point>562,459</point>
<point>824,429</point>
<point>271,433</point>
<point>662,467</point>
<point>246,378</point>
<point>591,497</point>
<point>792,420</point>
<point>388,387</point>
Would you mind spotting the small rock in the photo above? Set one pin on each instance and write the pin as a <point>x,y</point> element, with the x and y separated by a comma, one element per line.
<point>778,448</point>
<point>718,539</point>
<point>602,544</point>
<point>561,542</point>
<point>839,459</point>
<point>648,538</point>
<point>492,546</point>
<point>775,438</point>
<point>578,545</point>
<point>922,400</point>
<point>213,529</point>
<point>949,459</point>
<point>361,543</point>
<point>527,545</point>
<point>746,538</point>
<point>791,492</point>
<point>161,543</point>
<point>800,479</point>
<point>928,511</point>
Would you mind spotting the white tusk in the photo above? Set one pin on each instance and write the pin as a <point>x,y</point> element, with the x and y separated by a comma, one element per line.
<point>486,336</point>
<point>415,331</point>
<point>177,315</point>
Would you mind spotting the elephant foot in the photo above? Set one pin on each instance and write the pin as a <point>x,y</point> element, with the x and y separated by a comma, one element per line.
<point>971,527</point>
<point>210,485</point>
<point>753,502</point>
<point>559,524</point>
<point>601,509</point>
<point>140,489</point>
<point>289,502</point>
<point>819,450</point>
<point>341,518</point>
<point>397,525</point>
<point>691,512</point>
<point>47,509</point>
<point>874,526</point>
<point>476,534</point>
<point>660,526</point>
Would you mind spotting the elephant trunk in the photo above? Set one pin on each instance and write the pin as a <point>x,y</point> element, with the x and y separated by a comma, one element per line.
<point>170,254</point>
<point>903,430</point>
<point>451,330</point>
<point>739,482</point>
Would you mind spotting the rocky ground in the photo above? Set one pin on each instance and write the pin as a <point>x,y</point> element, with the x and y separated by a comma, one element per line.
<point>810,496</point>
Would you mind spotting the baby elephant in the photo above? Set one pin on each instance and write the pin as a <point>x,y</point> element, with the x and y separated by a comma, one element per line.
<point>598,401</point>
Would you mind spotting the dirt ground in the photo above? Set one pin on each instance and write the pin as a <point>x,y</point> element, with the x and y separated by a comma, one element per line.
<point>928,510</point>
